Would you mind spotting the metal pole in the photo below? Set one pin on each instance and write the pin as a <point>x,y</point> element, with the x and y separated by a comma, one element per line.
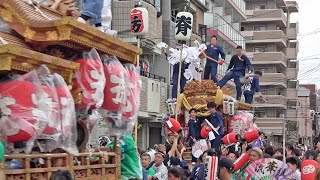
<point>179,81</point>
<point>284,137</point>
<point>138,65</point>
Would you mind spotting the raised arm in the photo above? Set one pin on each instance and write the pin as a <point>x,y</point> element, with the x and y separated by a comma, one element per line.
<point>174,145</point>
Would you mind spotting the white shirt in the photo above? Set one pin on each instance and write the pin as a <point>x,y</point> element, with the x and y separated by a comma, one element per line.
<point>161,172</point>
<point>297,175</point>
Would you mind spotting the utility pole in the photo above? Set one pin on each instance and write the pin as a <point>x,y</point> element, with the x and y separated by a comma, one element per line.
<point>284,137</point>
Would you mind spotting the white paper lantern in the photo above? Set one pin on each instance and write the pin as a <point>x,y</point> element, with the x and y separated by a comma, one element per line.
<point>183,27</point>
<point>139,21</point>
<point>231,108</point>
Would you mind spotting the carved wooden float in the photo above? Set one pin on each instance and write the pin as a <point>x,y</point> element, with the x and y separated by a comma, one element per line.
<point>106,167</point>
<point>17,58</point>
<point>48,28</point>
<point>197,94</point>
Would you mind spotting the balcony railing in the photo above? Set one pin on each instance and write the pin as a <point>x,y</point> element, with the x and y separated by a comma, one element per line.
<point>291,53</point>
<point>215,21</point>
<point>292,31</point>
<point>271,36</point>
<point>271,101</point>
<point>152,76</point>
<point>241,5</point>
<point>267,15</point>
<point>267,58</point>
<point>292,73</point>
<point>291,93</point>
<point>273,79</point>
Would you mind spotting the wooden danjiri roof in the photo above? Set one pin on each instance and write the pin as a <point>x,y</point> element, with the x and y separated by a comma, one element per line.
<point>42,26</point>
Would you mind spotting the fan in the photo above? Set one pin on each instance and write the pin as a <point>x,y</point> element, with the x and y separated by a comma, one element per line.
<point>269,169</point>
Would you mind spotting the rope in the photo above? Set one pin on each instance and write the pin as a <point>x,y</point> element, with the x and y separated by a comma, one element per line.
<point>37,9</point>
<point>4,42</point>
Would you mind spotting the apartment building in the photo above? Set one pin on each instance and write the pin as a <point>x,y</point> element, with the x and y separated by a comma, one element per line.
<point>223,19</point>
<point>271,44</point>
<point>305,116</point>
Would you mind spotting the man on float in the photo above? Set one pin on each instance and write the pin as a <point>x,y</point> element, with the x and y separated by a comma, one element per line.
<point>252,87</point>
<point>175,77</point>
<point>213,51</point>
<point>237,67</point>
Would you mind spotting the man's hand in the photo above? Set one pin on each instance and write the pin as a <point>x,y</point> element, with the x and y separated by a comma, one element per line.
<point>176,135</point>
<point>244,147</point>
<point>221,62</point>
<point>194,140</point>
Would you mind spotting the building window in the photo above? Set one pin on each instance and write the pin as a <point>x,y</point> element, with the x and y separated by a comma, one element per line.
<point>242,28</point>
<point>259,7</point>
<point>203,32</point>
<point>260,49</point>
<point>260,28</point>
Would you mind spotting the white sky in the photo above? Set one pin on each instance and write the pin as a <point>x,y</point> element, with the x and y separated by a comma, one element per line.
<point>309,52</point>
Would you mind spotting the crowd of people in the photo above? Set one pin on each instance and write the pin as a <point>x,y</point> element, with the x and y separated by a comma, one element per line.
<point>166,161</point>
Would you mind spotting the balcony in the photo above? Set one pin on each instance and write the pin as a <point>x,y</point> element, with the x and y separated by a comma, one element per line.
<point>272,101</point>
<point>292,31</point>
<point>292,73</point>
<point>291,53</point>
<point>270,125</point>
<point>218,26</point>
<point>272,36</point>
<point>121,22</point>
<point>153,96</point>
<point>292,94</point>
<point>260,58</point>
<point>292,6</point>
<point>267,15</point>
<point>273,79</point>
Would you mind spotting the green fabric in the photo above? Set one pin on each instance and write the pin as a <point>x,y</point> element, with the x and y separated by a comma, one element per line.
<point>1,151</point>
<point>242,173</point>
<point>151,172</point>
<point>130,162</point>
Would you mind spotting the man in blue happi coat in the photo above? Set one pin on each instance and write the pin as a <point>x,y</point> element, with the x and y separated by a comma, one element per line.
<point>175,78</point>
<point>251,87</point>
<point>237,67</point>
<point>213,51</point>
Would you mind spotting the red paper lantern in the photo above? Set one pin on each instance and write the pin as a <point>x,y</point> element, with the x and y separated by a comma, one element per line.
<point>115,89</point>
<point>230,138</point>
<point>241,161</point>
<point>251,136</point>
<point>133,86</point>
<point>173,125</point>
<point>19,114</point>
<point>90,78</point>
<point>205,132</point>
<point>52,110</point>
<point>308,169</point>
<point>66,108</point>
